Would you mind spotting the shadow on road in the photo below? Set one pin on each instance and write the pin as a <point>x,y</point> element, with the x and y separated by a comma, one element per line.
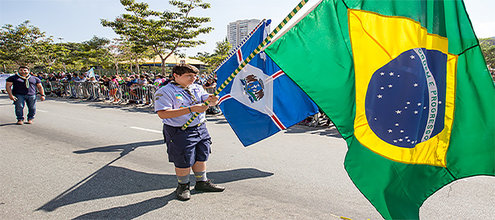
<point>217,119</point>
<point>111,181</point>
<point>169,181</point>
<point>324,131</point>
<point>130,211</point>
<point>125,148</point>
<point>126,107</point>
<point>8,124</point>
<point>106,105</point>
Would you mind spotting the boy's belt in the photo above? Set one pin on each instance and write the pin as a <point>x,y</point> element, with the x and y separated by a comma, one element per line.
<point>194,126</point>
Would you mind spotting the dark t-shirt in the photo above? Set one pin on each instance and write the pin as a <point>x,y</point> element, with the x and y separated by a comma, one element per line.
<point>19,85</point>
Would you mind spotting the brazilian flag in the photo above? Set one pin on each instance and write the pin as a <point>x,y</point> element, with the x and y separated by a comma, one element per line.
<point>406,85</point>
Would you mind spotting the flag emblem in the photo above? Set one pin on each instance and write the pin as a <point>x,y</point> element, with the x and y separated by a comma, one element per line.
<point>405,88</point>
<point>253,87</point>
<point>405,98</point>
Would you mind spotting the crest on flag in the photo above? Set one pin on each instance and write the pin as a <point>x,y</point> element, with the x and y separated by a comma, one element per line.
<point>253,87</point>
<point>404,93</point>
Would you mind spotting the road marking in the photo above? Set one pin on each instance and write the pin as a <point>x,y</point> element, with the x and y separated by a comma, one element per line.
<point>39,110</point>
<point>145,129</point>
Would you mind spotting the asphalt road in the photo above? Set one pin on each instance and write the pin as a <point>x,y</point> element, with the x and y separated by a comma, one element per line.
<point>91,160</point>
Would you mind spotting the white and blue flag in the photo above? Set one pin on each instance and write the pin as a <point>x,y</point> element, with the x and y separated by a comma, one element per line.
<point>261,100</point>
<point>90,73</point>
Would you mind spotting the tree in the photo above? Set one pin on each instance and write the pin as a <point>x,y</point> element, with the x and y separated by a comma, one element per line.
<point>219,55</point>
<point>20,44</point>
<point>72,56</point>
<point>49,54</point>
<point>124,50</point>
<point>94,52</point>
<point>164,32</point>
<point>488,49</point>
<point>77,56</point>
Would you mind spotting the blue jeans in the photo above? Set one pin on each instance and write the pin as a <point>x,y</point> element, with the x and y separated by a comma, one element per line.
<point>30,100</point>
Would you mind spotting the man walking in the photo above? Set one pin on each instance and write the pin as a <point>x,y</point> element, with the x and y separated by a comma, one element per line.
<point>22,90</point>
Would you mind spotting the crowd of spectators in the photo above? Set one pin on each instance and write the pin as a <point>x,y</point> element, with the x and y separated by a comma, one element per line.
<point>137,86</point>
<point>136,89</point>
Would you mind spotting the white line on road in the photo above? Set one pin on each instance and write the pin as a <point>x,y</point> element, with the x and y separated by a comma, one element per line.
<point>39,110</point>
<point>145,129</point>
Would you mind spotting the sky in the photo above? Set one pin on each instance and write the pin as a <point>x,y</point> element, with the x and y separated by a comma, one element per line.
<point>79,20</point>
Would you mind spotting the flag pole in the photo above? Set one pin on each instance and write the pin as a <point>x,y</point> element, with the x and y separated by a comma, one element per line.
<point>251,56</point>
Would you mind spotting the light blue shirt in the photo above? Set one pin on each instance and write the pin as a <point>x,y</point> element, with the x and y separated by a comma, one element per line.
<point>174,97</point>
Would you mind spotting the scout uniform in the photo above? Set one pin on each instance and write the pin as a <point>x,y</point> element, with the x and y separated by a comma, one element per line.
<point>184,147</point>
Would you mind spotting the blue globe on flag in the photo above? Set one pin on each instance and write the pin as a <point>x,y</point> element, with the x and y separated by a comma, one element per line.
<point>405,98</point>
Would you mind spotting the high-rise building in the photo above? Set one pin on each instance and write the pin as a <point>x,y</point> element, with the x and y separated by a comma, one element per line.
<point>237,30</point>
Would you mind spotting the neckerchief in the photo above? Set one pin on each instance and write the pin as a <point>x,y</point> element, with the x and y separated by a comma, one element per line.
<point>187,91</point>
<point>26,78</point>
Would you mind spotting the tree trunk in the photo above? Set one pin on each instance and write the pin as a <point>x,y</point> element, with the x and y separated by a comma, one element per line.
<point>163,67</point>
<point>116,68</point>
<point>137,65</point>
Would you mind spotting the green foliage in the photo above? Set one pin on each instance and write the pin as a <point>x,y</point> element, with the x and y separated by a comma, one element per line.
<point>164,32</point>
<point>125,51</point>
<point>219,55</point>
<point>26,44</point>
<point>94,52</point>
<point>19,45</point>
<point>488,48</point>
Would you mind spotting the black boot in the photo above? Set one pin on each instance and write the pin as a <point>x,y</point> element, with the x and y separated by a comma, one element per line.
<point>208,186</point>
<point>183,193</point>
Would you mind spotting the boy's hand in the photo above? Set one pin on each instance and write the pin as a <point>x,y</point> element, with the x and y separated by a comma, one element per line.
<point>13,98</point>
<point>212,100</point>
<point>199,108</point>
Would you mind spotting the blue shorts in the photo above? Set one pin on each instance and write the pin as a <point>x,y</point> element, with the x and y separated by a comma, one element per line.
<point>186,147</point>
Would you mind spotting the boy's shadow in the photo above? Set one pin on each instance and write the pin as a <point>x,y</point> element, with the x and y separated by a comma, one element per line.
<point>112,181</point>
<point>7,124</point>
<point>130,211</point>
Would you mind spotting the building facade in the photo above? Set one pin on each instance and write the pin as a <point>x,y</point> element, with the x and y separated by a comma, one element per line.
<point>237,30</point>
